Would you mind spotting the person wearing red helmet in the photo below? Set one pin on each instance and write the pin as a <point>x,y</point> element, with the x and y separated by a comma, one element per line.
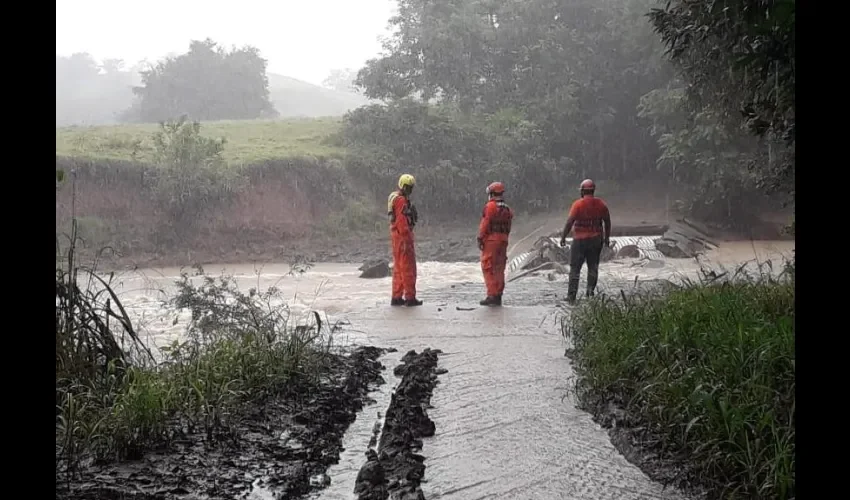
<point>493,233</point>
<point>590,221</point>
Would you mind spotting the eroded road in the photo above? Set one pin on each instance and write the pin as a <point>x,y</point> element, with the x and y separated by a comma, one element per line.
<point>506,425</point>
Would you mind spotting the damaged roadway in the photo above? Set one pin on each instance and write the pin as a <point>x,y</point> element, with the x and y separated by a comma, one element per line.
<point>395,470</point>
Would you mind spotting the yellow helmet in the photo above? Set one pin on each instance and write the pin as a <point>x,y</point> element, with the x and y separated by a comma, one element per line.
<point>406,180</point>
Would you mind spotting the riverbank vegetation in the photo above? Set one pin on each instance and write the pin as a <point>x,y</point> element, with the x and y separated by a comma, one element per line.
<point>705,376</point>
<point>537,94</point>
<point>186,197</point>
<point>116,397</point>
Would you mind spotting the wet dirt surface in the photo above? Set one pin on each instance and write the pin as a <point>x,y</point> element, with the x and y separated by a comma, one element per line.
<point>451,245</point>
<point>642,447</point>
<point>282,445</point>
<point>361,436</point>
<point>395,470</point>
<point>506,425</point>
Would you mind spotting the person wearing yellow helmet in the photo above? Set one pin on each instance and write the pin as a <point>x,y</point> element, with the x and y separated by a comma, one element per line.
<point>403,218</point>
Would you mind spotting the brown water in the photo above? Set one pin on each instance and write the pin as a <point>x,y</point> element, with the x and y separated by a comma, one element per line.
<point>506,427</point>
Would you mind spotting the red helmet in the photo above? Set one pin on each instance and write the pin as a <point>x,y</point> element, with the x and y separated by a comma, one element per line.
<point>588,185</point>
<point>496,188</point>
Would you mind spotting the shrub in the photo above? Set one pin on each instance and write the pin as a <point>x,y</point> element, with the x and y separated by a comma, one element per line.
<point>191,173</point>
<point>114,400</point>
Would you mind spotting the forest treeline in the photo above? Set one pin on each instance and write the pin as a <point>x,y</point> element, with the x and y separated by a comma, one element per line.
<point>696,99</point>
<point>540,94</point>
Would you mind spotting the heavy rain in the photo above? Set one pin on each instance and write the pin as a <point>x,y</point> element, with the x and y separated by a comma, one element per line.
<point>407,249</point>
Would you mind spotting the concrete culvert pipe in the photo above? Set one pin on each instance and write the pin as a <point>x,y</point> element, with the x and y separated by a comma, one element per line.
<point>548,254</point>
<point>628,252</point>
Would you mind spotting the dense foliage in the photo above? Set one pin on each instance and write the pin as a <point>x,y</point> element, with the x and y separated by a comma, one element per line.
<point>739,58</point>
<point>111,404</point>
<point>206,83</point>
<point>545,92</point>
<point>536,93</point>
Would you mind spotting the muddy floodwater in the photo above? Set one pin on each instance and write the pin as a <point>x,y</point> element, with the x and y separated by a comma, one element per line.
<point>506,426</point>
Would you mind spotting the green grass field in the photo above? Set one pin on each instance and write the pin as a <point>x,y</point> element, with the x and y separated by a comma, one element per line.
<point>247,141</point>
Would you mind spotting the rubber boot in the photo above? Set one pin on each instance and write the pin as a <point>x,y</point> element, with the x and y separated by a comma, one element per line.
<point>572,290</point>
<point>412,302</point>
<point>590,293</point>
<point>397,302</point>
<point>498,300</point>
<point>489,301</point>
<point>592,279</point>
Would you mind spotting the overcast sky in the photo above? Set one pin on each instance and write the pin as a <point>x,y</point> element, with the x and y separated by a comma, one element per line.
<point>304,39</point>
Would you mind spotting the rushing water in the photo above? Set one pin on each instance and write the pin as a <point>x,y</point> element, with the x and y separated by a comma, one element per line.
<point>506,427</point>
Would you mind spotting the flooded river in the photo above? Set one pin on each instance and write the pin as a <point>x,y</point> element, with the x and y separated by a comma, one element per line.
<point>506,427</point>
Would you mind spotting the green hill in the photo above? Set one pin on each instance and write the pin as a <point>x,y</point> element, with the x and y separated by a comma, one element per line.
<point>295,98</point>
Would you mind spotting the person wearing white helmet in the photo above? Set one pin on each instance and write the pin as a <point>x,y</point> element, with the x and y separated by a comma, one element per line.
<point>590,221</point>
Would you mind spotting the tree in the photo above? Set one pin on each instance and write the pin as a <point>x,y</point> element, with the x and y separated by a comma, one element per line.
<point>573,70</point>
<point>706,155</point>
<point>91,93</point>
<point>739,57</point>
<point>207,83</point>
<point>341,80</point>
<point>563,89</point>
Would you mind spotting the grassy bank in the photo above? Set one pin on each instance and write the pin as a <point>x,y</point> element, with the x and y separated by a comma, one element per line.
<point>706,376</point>
<point>115,399</point>
<point>184,199</point>
<point>176,194</point>
<point>248,141</point>
<point>276,190</point>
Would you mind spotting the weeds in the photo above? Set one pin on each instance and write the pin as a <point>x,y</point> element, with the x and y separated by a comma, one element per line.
<point>191,173</point>
<point>96,345</point>
<point>112,404</point>
<point>708,368</point>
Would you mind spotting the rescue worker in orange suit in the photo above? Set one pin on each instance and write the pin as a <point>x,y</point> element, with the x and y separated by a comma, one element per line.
<point>590,221</point>
<point>403,218</point>
<point>493,233</point>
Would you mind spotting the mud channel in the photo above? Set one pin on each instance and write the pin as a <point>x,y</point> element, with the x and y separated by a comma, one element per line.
<point>395,470</point>
<point>501,423</point>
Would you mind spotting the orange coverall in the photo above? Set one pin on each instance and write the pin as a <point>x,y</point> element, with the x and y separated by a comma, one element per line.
<point>493,232</point>
<point>402,220</point>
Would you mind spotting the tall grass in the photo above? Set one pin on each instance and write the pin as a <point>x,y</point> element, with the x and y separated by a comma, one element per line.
<point>708,369</point>
<point>239,347</point>
<point>114,400</point>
